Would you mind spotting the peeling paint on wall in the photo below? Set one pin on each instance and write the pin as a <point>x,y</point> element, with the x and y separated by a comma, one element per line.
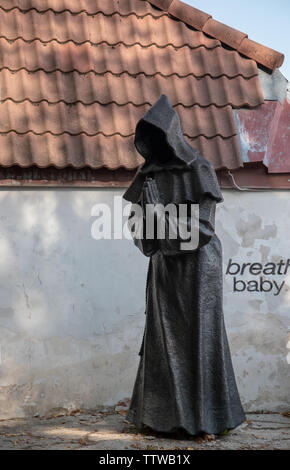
<point>257,322</point>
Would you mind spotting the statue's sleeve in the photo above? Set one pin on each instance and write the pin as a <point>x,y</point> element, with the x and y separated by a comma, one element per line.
<point>205,227</point>
<point>137,226</point>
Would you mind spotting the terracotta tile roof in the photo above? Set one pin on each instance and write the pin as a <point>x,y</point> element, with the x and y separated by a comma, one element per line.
<point>65,150</point>
<point>75,76</point>
<point>122,89</point>
<point>109,29</point>
<point>110,119</point>
<point>227,35</point>
<point>118,59</point>
<point>90,7</point>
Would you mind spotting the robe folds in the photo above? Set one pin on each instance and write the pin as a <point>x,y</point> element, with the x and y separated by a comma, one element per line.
<point>185,378</point>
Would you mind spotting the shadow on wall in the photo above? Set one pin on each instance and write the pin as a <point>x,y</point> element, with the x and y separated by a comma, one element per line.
<point>72,308</point>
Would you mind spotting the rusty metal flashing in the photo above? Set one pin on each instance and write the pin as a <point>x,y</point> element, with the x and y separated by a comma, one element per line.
<point>67,177</point>
<point>253,176</point>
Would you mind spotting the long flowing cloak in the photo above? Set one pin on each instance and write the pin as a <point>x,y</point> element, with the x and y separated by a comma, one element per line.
<point>185,379</point>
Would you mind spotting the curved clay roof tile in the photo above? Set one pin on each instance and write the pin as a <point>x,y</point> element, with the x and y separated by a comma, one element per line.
<point>239,41</point>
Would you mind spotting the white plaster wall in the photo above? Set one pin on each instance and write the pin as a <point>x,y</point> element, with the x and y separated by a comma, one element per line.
<point>72,308</point>
<point>255,227</point>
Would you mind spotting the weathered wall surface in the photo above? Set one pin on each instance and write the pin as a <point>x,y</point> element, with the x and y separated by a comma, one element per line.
<point>72,308</point>
<point>254,227</point>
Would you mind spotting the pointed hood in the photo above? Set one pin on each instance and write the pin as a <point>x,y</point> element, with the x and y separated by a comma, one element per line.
<point>159,137</point>
<point>181,173</point>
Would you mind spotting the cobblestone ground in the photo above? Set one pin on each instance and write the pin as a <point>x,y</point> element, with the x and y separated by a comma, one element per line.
<point>107,429</point>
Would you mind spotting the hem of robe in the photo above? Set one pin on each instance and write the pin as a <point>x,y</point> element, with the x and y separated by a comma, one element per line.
<point>229,425</point>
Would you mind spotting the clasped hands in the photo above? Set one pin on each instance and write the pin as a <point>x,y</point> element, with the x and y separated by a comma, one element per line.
<point>150,192</point>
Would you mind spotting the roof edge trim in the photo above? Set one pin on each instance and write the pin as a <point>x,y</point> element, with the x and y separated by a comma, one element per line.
<point>239,41</point>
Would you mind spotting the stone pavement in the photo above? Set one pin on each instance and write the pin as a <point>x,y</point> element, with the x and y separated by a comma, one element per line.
<point>107,429</point>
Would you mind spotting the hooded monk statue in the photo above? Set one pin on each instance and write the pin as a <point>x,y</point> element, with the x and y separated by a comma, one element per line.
<point>185,379</point>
